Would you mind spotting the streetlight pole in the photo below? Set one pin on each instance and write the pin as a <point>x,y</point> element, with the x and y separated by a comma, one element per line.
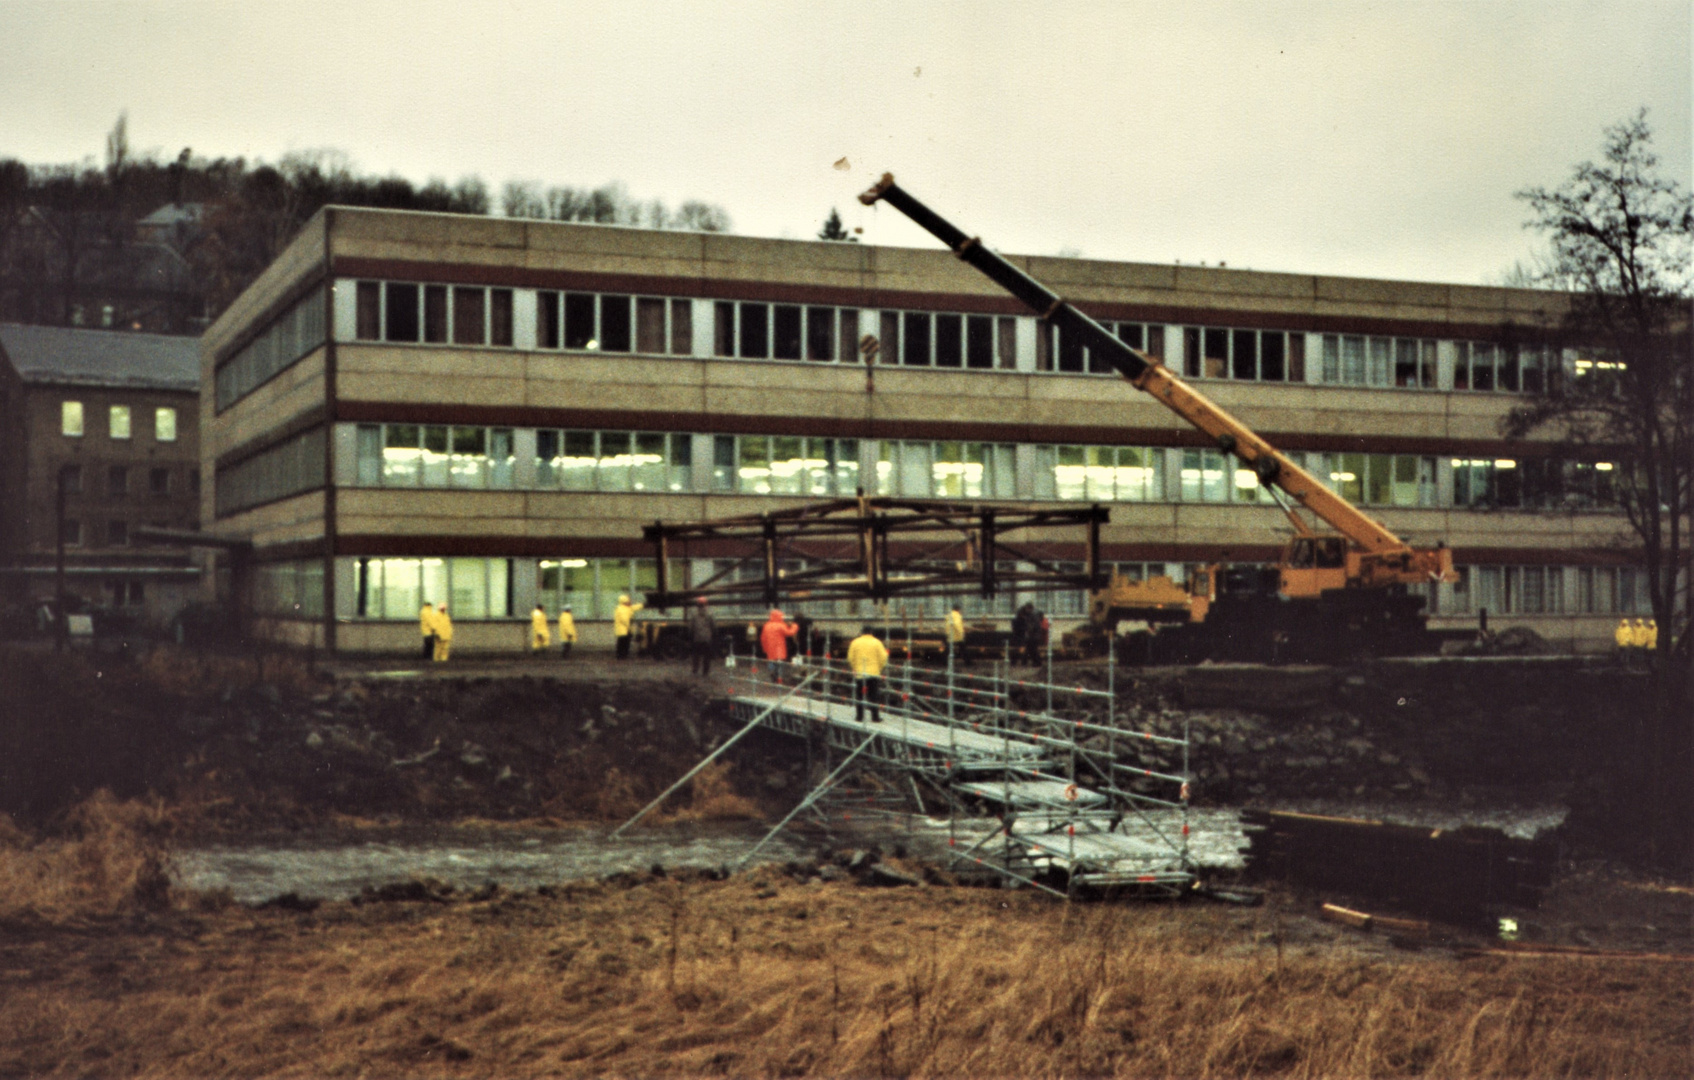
<point>61,622</point>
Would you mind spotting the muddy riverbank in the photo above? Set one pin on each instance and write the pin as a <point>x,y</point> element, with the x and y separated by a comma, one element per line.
<point>234,748</point>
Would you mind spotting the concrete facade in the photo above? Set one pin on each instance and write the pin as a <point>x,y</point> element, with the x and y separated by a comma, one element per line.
<point>311,390</point>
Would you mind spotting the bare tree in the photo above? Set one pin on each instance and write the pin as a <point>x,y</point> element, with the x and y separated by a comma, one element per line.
<point>1621,236</point>
<point>695,216</point>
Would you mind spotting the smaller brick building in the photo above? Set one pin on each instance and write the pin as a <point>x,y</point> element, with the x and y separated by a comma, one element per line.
<point>117,416</point>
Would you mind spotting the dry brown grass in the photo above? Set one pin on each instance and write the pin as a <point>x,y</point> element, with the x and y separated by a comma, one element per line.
<point>193,673</point>
<point>760,976</point>
<point>107,860</point>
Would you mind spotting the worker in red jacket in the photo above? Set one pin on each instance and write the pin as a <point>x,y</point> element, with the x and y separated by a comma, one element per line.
<point>773,639</point>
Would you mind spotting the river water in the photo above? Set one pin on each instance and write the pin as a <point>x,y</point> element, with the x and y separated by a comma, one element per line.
<point>339,865</point>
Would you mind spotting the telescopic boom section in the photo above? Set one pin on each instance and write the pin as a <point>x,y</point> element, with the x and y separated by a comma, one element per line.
<point>1392,557</point>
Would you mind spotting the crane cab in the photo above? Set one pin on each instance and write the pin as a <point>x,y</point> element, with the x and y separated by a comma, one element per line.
<point>1312,565</point>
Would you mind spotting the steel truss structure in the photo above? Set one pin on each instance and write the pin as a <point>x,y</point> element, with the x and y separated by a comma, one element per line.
<point>1036,789</point>
<point>878,548</point>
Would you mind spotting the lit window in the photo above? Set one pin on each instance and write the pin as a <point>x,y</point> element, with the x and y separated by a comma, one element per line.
<point>164,425</point>
<point>119,421</point>
<point>70,418</point>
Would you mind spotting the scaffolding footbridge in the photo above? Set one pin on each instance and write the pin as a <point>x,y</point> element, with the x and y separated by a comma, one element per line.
<point>1039,783</point>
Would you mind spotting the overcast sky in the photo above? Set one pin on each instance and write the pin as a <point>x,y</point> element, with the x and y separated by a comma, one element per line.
<point>1376,139</point>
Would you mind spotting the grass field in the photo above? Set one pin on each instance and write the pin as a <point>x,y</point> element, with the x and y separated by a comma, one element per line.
<point>761,976</point>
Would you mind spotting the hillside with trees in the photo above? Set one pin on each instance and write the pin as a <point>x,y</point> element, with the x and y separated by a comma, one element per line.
<point>138,242</point>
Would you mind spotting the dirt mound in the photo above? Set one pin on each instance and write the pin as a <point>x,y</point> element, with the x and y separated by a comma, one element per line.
<point>228,750</point>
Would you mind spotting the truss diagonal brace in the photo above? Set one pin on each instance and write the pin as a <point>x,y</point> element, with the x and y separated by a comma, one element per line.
<point>811,797</point>
<point>714,755</point>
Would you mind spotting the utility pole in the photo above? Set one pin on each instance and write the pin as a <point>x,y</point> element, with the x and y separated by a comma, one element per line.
<point>61,621</point>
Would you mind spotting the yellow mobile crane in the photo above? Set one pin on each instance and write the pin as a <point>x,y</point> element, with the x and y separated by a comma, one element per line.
<point>1331,594</point>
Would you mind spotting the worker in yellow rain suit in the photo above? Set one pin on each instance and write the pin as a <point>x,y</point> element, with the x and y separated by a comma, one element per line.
<point>866,656</point>
<point>567,632</point>
<point>622,616</point>
<point>443,634</point>
<point>539,635</point>
<point>1652,645</point>
<point>1624,638</point>
<point>956,634</point>
<point>426,627</point>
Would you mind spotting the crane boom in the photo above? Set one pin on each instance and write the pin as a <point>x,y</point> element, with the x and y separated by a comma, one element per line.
<point>1381,556</point>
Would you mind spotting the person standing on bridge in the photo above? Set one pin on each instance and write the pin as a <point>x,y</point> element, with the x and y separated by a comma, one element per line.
<point>867,657</point>
<point>773,640</point>
<point>956,635</point>
<point>622,617</point>
<point>1023,629</point>
<point>702,636</point>
<point>567,632</point>
<point>539,635</point>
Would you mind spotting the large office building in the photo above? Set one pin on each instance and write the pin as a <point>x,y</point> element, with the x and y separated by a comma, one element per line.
<point>485,412</point>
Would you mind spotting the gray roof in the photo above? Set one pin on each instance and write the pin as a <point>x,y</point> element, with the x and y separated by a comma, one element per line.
<point>61,354</point>
<point>175,214</point>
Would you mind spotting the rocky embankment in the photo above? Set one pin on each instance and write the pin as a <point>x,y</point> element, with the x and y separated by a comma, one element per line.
<point>298,748</point>
<point>1482,729</point>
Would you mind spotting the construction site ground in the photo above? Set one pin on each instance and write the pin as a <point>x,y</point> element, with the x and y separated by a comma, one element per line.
<point>813,965</point>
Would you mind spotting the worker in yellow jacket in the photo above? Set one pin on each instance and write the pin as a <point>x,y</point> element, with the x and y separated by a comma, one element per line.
<point>1652,644</point>
<point>567,632</point>
<point>956,634</point>
<point>426,627</point>
<point>540,636</point>
<point>1624,638</point>
<point>867,656</point>
<point>622,617</point>
<point>443,634</point>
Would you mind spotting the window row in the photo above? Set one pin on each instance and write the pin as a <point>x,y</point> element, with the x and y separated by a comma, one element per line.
<point>289,336</point>
<point>614,461</point>
<point>946,470</point>
<point>285,469</point>
<point>1533,484</point>
<point>119,421</point>
<point>937,339</point>
<point>112,532</point>
<point>657,325</point>
<point>294,588</point>
<point>472,588</point>
<point>478,588</point>
<point>125,480</point>
<point>434,456</point>
<point>1544,590</point>
<point>435,314</point>
<point>475,457</point>
<point>1057,349</point>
